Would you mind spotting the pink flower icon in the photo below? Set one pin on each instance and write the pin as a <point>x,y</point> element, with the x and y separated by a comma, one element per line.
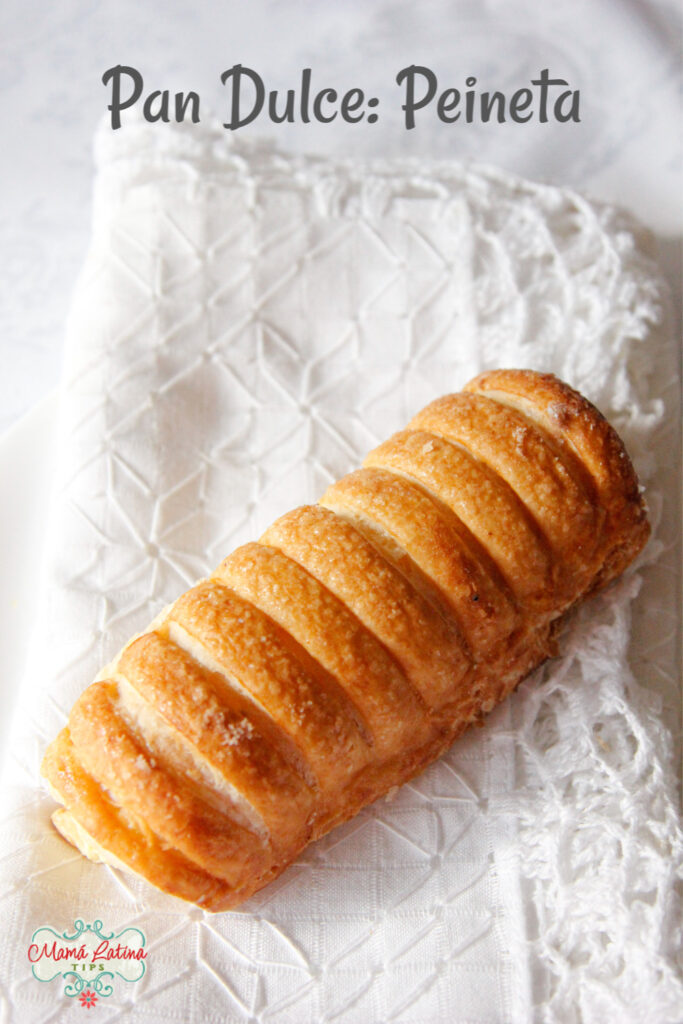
<point>88,998</point>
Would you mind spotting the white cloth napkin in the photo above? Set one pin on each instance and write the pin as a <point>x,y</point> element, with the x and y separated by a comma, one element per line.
<point>247,325</point>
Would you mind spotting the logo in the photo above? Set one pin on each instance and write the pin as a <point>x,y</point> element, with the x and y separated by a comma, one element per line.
<point>89,960</point>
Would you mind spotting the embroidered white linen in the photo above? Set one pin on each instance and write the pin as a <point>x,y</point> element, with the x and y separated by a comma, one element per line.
<point>247,325</point>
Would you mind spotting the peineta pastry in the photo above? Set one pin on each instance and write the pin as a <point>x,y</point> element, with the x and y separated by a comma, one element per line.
<point>343,652</point>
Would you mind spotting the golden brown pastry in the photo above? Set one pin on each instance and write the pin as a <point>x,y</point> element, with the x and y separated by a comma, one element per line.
<point>344,651</point>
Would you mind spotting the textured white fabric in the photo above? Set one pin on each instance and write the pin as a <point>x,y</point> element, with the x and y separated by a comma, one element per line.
<point>246,327</point>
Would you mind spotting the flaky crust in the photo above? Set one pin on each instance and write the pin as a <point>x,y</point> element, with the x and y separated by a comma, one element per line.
<point>583,435</point>
<point>343,652</point>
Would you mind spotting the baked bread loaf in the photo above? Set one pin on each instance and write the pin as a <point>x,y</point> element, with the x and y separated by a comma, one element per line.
<point>343,652</point>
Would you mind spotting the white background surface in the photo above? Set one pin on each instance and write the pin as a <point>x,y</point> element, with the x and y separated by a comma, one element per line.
<point>622,54</point>
<point>238,338</point>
